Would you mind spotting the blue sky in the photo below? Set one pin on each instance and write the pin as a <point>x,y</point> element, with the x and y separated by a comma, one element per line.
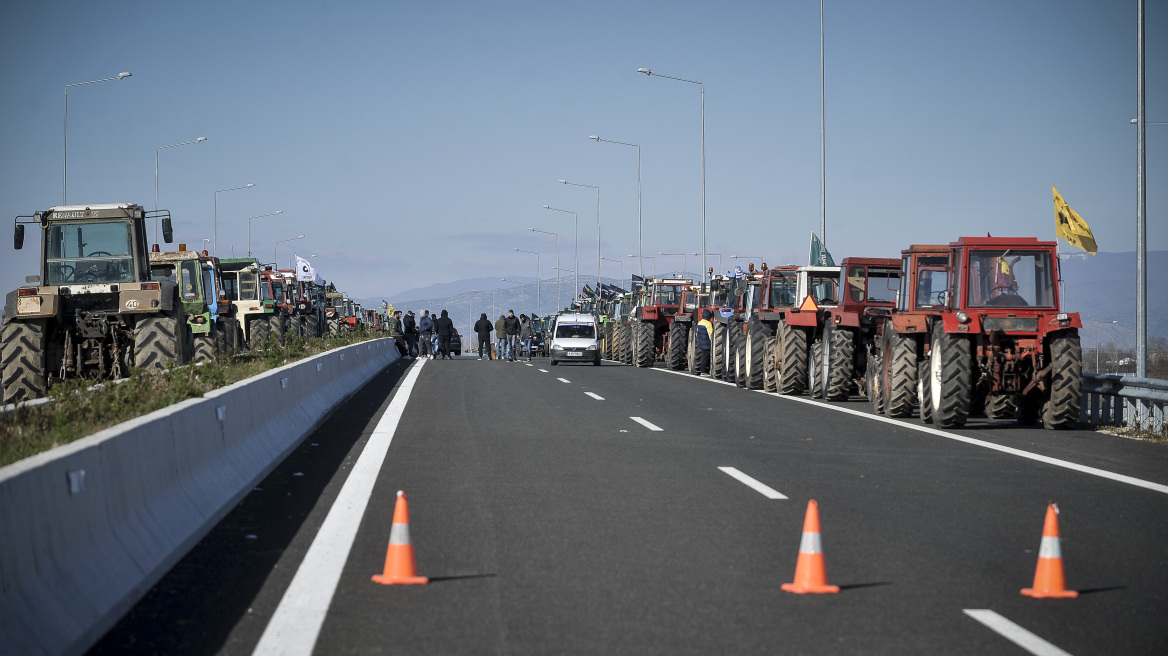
<point>415,143</point>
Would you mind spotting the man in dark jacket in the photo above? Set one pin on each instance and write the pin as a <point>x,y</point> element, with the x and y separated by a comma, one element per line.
<point>410,328</point>
<point>445,329</point>
<point>426,328</point>
<point>483,329</point>
<point>511,327</point>
<point>395,331</point>
<point>705,331</point>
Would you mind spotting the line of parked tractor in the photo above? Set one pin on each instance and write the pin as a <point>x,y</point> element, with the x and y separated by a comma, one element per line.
<point>104,302</point>
<point>946,331</point>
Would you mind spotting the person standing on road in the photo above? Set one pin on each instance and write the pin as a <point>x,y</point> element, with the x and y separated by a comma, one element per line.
<point>410,328</point>
<point>445,329</point>
<point>483,329</point>
<point>526,333</point>
<point>511,328</point>
<point>501,338</point>
<point>426,330</point>
<point>705,330</point>
<point>395,331</point>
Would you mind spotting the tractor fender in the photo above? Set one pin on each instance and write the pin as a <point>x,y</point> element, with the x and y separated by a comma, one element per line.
<point>803,319</point>
<point>848,319</point>
<point>952,325</point>
<point>910,323</point>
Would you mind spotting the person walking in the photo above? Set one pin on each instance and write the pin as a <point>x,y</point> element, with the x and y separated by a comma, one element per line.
<point>445,329</point>
<point>483,329</point>
<point>426,332</point>
<point>501,338</point>
<point>511,328</point>
<point>526,333</point>
<point>705,330</point>
<point>395,331</point>
<point>410,328</point>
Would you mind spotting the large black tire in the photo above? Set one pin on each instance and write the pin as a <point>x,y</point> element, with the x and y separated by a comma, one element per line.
<point>22,361</point>
<point>899,379</point>
<point>334,327</point>
<point>792,359</point>
<point>843,357</point>
<point>312,322</point>
<point>1066,381</point>
<point>755,356</point>
<point>278,326</point>
<point>158,341</point>
<point>728,369</point>
<point>204,347</point>
<point>815,369</point>
<point>258,331</point>
<point>219,328</point>
<point>872,382</point>
<point>951,378</point>
<point>718,351</point>
<point>300,326</point>
<point>770,365</point>
<point>643,333</point>
<point>1001,406</point>
<point>739,348</point>
<point>678,342</point>
<point>691,351</point>
<point>925,392</point>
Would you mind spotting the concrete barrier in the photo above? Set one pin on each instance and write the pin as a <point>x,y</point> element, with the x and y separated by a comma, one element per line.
<point>88,528</point>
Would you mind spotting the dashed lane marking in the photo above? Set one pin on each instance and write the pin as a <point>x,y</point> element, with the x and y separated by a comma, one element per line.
<point>297,621</point>
<point>564,380</point>
<point>1014,633</point>
<point>758,486</point>
<point>543,371</point>
<point>1065,464</point>
<point>646,424</point>
<point>595,396</point>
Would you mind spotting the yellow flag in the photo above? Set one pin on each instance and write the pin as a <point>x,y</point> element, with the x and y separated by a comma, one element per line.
<point>1070,226</point>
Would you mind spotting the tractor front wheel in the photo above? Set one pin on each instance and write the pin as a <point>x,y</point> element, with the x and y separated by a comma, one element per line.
<point>159,341</point>
<point>1066,381</point>
<point>950,378</point>
<point>815,369</point>
<point>770,365</point>
<point>22,361</point>
<point>677,345</point>
<point>872,384</point>
<point>1001,406</point>
<point>718,351</point>
<point>204,347</point>
<point>792,359</point>
<point>643,344</point>
<point>843,356</point>
<point>755,357</point>
<point>900,374</point>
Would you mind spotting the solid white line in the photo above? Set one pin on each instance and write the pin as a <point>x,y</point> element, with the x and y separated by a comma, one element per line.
<point>1014,633</point>
<point>646,424</point>
<point>1065,464</point>
<point>753,484</point>
<point>297,621</point>
<point>595,396</point>
<point>564,380</point>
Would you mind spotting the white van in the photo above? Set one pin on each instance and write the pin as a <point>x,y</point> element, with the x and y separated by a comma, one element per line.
<point>575,338</point>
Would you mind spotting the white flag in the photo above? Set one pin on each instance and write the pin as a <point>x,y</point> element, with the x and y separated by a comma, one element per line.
<point>304,270</point>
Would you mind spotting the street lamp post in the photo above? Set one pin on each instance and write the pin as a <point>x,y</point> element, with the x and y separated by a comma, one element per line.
<point>249,220</point>
<point>576,184</point>
<point>522,294</point>
<point>622,267</point>
<point>215,234</point>
<point>156,151</point>
<point>650,73</point>
<point>65,169</point>
<point>557,267</point>
<point>647,257</point>
<point>577,229</point>
<point>538,304</point>
<point>641,264</point>
<point>275,262</point>
<point>683,260</point>
<point>719,258</point>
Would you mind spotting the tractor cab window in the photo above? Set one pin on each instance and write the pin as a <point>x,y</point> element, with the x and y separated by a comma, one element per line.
<point>248,286</point>
<point>230,287</point>
<point>338,302</point>
<point>189,284</point>
<point>278,291</point>
<point>822,286</point>
<point>89,253</point>
<point>666,294</point>
<point>932,282</point>
<point>1010,278</point>
<point>856,281</point>
<point>265,290</point>
<point>209,283</point>
<point>883,285</point>
<point>784,287</point>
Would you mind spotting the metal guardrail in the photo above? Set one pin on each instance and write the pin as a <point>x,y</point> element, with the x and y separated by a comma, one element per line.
<point>1124,400</point>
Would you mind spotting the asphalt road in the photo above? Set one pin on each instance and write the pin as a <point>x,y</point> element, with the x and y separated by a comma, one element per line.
<point>554,522</point>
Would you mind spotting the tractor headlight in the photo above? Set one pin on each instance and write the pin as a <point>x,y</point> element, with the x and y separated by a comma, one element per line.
<point>962,317</point>
<point>1063,316</point>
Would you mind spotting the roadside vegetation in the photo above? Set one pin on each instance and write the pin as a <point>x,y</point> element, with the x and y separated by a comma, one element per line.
<point>78,410</point>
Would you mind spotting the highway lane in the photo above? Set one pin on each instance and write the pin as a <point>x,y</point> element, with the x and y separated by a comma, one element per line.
<point>552,521</point>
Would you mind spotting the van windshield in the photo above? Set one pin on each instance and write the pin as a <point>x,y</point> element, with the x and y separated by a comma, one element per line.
<point>576,330</point>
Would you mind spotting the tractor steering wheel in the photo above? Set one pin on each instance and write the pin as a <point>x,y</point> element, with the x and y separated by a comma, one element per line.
<point>99,254</point>
<point>66,271</point>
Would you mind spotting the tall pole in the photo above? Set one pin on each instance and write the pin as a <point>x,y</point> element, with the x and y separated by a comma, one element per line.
<point>65,168</point>
<point>156,150</point>
<point>1142,206</point>
<point>557,236</point>
<point>576,270</point>
<point>822,147</point>
<point>216,220</point>
<point>574,184</point>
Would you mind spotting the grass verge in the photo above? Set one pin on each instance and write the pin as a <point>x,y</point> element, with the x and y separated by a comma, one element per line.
<point>78,411</point>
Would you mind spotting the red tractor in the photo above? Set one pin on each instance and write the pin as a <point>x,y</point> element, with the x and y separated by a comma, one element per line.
<point>651,336</point>
<point>980,327</point>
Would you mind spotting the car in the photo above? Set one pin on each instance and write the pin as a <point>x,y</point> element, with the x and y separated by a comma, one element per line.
<point>456,343</point>
<point>574,338</point>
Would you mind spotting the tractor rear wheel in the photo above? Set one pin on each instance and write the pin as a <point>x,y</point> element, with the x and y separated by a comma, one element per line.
<point>278,325</point>
<point>950,377</point>
<point>900,379</point>
<point>1001,406</point>
<point>22,361</point>
<point>643,344</point>
<point>815,369</point>
<point>204,347</point>
<point>258,331</point>
<point>1066,381</point>
<point>925,392</point>
<point>691,352</point>
<point>872,385</point>
<point>792,359</point>
<point>158,341</point>
<point>334,327</point>
<point>718,351</point>
<point>728,369</point>
<point>313,324</point>
<point>843,356</point>
<point>755,356</point>
<point>770,365</point>
<point>678,337</point>
<point>739,340</point>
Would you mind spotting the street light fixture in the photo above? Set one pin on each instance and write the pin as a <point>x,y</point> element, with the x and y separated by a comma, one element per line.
<point>65,169</point>
<point>557,267</point>
<point>719,258</point>
<point>638,147</point>
<point>650,73</point>
<point>647,257</point>
<point>277,244</point>
<point>156,151</point>
<point>538,304</point>
<point>622,266</point>
<point>577,220</point>
<point>215,234</point>
<point>249,220</point>
<point>576,184</point>
<point>683,260</point>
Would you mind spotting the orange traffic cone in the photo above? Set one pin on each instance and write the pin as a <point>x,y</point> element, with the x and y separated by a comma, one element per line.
<point>810,569</point>
<point>1049,581</point>
<point>400,568</point>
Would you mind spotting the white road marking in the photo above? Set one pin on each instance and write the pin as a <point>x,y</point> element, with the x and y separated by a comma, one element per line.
<point>753,484</point>
<point>544,370</point>
<point>1014,633</point>
<point>296,624</point>
<point>564,380</point>
<point>646,424</point>
<point>528,364</point>
<point>595,396</point>
<point>1065,464</point>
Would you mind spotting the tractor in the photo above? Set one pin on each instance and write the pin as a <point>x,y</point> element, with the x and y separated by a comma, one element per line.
<point>650,326</point>
<point>253,301</point>
<point>204,300</point>
<point>94,311</point>
<point>980,328</point>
